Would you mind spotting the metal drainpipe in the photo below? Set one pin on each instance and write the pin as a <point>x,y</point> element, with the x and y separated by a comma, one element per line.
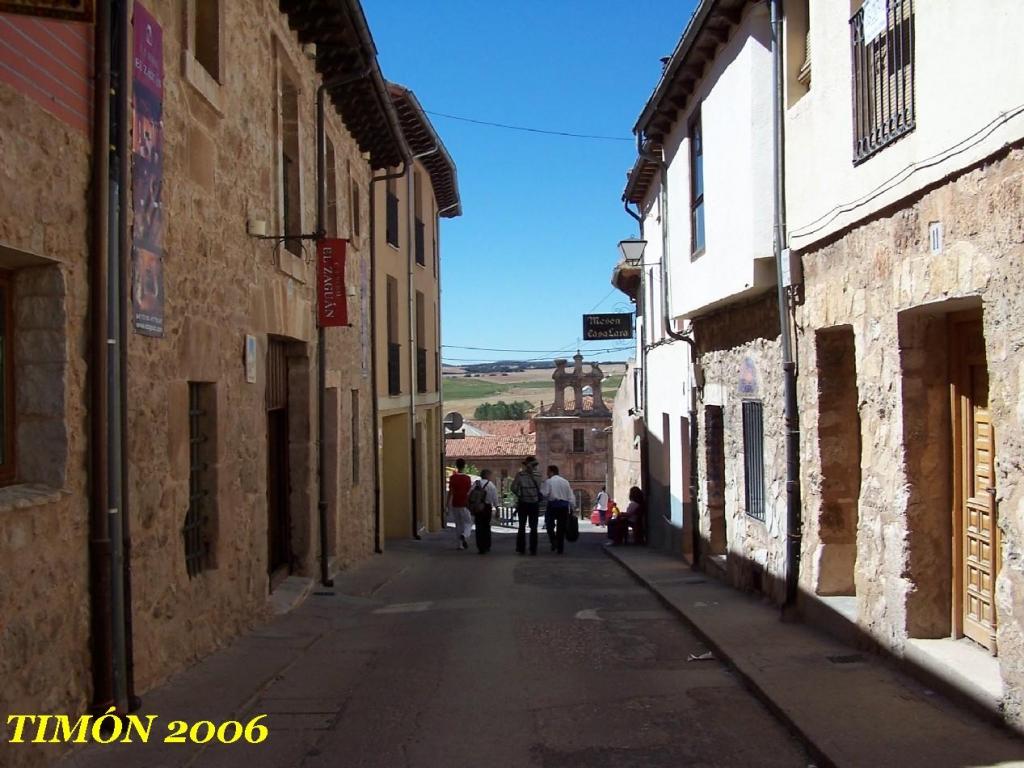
<point>667,323</point>
<point>123,302</point>
<point>440,390</point>
<point>410,204</point>
<point>645,470</point>
<point>321,333</point>
<point>792,416</point>
<point>99,536</point>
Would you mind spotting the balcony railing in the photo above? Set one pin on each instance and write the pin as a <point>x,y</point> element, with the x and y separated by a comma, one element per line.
<point>421,369</point>
<point>394,369</point>
<point>421,251</point>
<point>391,227</point>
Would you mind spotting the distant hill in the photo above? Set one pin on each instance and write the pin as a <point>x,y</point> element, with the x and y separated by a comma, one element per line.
<point>512,366</point>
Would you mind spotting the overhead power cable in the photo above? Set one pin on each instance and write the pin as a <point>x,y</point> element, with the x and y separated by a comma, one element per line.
<point>533,351</point>
<point>565,134</point>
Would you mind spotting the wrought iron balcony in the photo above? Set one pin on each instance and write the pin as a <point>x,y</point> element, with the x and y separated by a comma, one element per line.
<point>394,369</point>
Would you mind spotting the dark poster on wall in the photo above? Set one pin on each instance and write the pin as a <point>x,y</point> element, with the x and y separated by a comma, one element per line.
<point>70,10</point>
<point>147,175</point>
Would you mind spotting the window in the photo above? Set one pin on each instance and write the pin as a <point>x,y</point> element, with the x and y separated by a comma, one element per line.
<point>421,339</point>
<point>394,348</point>
<point>291,191</point>
<point>753,458</point>
<point>696,186</point>
<point>798,50</point>
<point>354,225</point>
<point>577,441</point>
<point>195,530</point>
<point>203,44</point>
<point>391,223</point>
<point>207,36</point>
<point>578,471</point>
<point>355,437</point>
<point>7,465</point>
<point>882,39</point>
<point>331,223</point>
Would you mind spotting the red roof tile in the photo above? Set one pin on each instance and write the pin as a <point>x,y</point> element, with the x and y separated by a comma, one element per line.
<point>481,447</point>
<point>502,428</point>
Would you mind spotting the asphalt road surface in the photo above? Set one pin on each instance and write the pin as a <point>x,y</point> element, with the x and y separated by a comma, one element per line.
<point>453,659</point>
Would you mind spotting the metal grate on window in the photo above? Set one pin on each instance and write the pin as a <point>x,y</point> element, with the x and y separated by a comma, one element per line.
<point>193,531</point>
<point>577,441</point>
<point>882,37</point>
<point>753,458</point>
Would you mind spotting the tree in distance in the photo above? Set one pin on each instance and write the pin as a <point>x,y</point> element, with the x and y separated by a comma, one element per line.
<point>502,411</point>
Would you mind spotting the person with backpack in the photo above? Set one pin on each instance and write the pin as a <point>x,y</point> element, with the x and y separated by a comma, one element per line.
<point>483,499</point>
<point>526,487</point>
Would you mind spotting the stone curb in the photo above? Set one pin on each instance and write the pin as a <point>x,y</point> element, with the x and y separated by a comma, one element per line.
<point>816,752</point>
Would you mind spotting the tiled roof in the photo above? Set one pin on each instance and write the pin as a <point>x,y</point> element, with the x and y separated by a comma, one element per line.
<point>481,447</point>
<point>502,428</point>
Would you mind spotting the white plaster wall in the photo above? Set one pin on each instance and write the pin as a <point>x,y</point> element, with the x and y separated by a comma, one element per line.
<point>669,380</point>
<point>969,70</point>
<point>735,101</point>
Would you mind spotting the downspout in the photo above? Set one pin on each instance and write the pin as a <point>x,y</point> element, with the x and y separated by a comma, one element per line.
<point>321,333</point>
<point>645,470</point>
<point>120,269</point>
<point>410,188</point>
<point>100,549</point>
<point>440,379</point>
<point>792,416</point>
<point>687,338</point>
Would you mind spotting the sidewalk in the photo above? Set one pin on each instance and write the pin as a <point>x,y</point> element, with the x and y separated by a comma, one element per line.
<point>849,708</point>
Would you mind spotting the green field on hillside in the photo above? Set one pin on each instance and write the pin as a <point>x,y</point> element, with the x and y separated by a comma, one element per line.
<point>463,389</point>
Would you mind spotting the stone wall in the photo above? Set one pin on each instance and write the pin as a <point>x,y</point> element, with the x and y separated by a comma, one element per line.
<point>44,575</point>
<point>881,280</point>
<point>586,471</point>
<point>221,169</point>
<point>741,358</point>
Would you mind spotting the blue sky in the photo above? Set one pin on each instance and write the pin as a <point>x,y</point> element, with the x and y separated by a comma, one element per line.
<point>542,215</point>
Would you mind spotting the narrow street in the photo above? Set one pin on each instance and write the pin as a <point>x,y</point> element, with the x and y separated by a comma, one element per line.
<point>433,656</point>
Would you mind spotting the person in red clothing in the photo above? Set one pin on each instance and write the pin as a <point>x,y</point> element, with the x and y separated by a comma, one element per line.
<point>458,497</point>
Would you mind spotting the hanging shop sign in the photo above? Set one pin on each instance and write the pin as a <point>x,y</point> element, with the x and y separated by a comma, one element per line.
<point>148,175</point>
<point>69,10</point>
<point>604,327</point>
<point>332,310</point>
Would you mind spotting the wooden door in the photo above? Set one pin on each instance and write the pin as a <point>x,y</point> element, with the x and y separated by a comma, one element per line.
<point>975,521</point>
<point>279,523</point>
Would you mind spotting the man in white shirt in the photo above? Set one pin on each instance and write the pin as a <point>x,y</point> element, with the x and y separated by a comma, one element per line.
<point>561,502</point>
<point>602,505</point>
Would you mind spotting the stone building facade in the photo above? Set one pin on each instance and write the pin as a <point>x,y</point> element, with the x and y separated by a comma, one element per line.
<point>223,396</point>
<point>573,433</point>
<point>903,286</point>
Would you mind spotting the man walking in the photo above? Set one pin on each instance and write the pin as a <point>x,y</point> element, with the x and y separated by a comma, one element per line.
<point>526,487</point>
<point>483,502</point>
<point>561,503</point>
<point>602,505</point>
<point>458,496</point>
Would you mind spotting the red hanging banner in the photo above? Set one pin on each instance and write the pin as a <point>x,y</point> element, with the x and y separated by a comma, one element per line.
<point>330,280</point>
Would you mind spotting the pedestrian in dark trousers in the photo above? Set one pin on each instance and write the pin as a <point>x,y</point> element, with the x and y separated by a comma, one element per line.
<point>561,501</point>
<point>526,487</point>
<point>482,515</point>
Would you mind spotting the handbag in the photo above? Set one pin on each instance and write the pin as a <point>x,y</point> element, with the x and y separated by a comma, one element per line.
<point>572,527</point>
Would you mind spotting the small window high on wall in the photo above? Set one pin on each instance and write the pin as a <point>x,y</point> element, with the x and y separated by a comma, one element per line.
<point>291,187</point>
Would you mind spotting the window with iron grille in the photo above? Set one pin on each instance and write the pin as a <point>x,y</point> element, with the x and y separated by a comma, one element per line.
<point>753,457</point>
<point>421,254</point>
<point>883,75</point>
<point>195,530</point>
<point>7,466</point>
<point>577,441</point>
